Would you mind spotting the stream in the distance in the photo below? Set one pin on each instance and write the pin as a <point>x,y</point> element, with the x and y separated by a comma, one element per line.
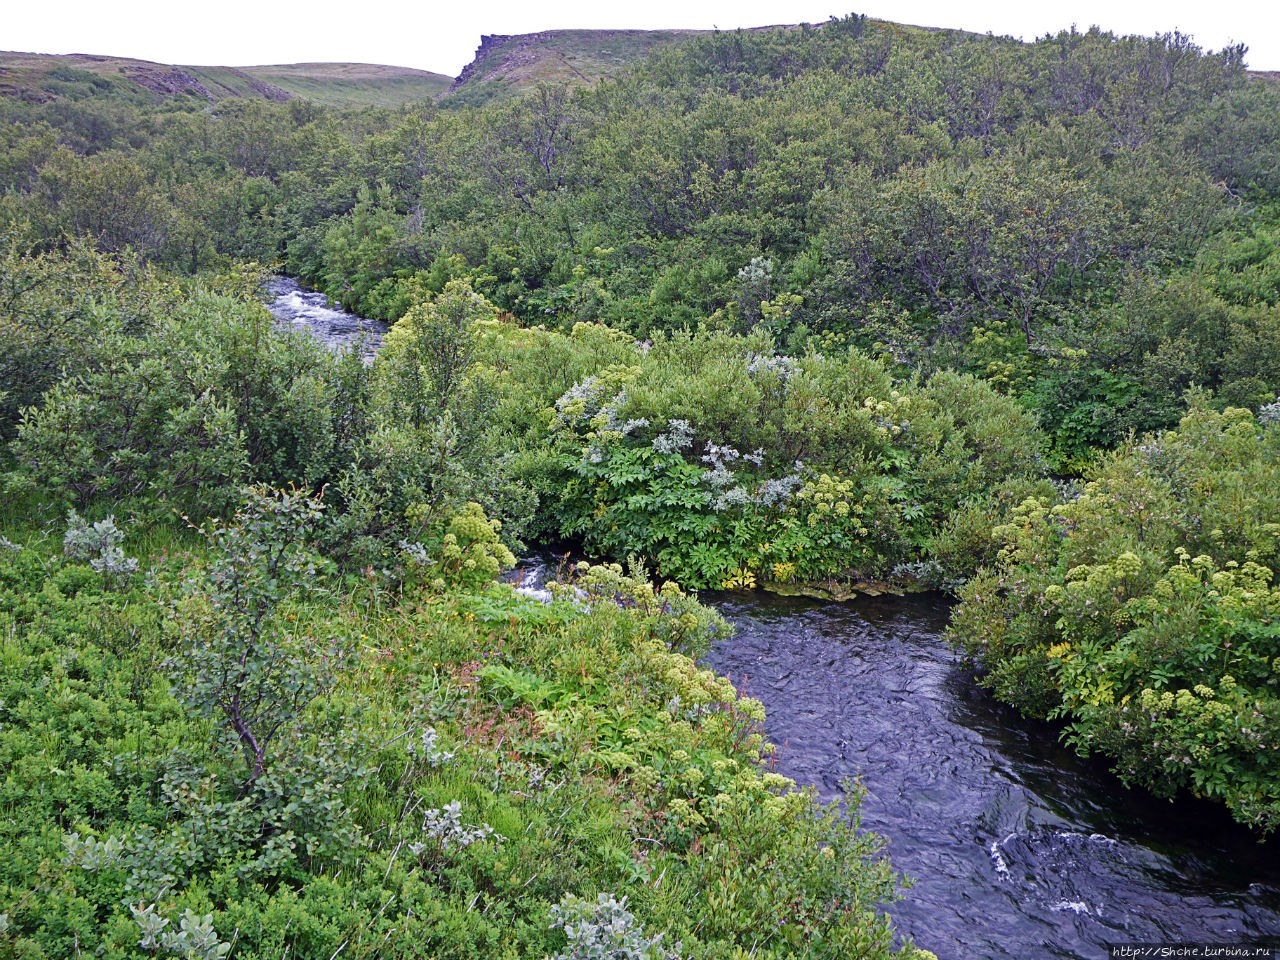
<point>1017,848</point>
<point>297,308</point>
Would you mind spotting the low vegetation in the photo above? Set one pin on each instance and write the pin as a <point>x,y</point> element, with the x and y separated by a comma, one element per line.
<point>823,309</point>
<point>210,756</point>
<point>1141,608</point>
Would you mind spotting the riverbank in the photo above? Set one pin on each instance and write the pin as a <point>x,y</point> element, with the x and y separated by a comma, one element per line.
<point>1013,841</point>
<point>1015,846</point>
<point>457,770</point>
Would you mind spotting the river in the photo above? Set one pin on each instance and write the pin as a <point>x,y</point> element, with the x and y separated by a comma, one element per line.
<point>1017,848</point>
<point>298,308</point>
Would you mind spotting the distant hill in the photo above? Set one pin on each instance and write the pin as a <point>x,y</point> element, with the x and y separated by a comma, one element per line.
<point>508,64</point>
<point>505,65</point>
<point>43,77</point>
<point>346,84</point>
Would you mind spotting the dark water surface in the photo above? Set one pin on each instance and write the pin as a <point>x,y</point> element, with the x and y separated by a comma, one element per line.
<point>1018,848</point>
<point>298,308</point>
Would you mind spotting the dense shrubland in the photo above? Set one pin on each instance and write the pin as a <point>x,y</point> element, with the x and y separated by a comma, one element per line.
<point>58,305</point>
<point>176,413</point>
<point>943,200</point>
<point>290,720</point>
<point>710,457</point>
<point>1141,608</point>
<point>176,407</point>
<point>853,307</point>
<point>722,462</point>
<point>278,757</point>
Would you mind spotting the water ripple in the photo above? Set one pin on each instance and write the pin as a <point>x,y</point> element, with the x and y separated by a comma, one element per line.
<point>1017,847</point>
<point>302,309</point>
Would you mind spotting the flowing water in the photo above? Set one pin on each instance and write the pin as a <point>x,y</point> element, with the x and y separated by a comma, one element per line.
<point>1017,848</point>
<point>297,308</point>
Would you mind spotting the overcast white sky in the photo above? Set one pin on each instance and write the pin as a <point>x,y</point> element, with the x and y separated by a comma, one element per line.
<point>442,36</point>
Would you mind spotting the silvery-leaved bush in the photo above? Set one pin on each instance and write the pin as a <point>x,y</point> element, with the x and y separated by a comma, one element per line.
<point>579,402</point>
<point>150,924</point>
<point>101,544</point>
<point>679,436</point>
<point>8,546</point>
<point>758,270</point>
<point>195,938</point>
<point>445,825</point>
<point>720,477</point>
<point>91,854</point>
<point>426,749</point>
<point>782,366</point>
<point>773,492</point>
<point>608,417</point>
<point>1269,413</point>
<point>416,552</point>
<point>733,497</point>
<point>605,930</point>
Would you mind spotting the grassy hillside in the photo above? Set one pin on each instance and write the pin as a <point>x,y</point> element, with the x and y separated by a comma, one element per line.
<point>508,64</point>
<point>503,65</point>
<point>45,77</point>
<point>353,84</point>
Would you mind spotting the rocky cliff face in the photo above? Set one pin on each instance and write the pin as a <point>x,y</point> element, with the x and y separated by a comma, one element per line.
<point>489,43</point>
<point>517,62</point>
<point>168,82</point>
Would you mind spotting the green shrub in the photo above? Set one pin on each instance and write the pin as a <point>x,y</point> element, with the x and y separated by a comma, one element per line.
<point>61,312</point>
<point>212,397</point>
<point>1142,612</point>
<point>431,443</point>
<point>723,463</point>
